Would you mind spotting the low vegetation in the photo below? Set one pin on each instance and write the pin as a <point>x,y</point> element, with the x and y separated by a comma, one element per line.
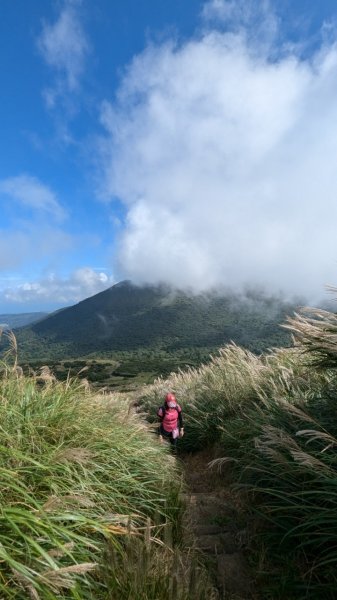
<point>87,509</point>
<point>123,371</point>
<point>272,423</point>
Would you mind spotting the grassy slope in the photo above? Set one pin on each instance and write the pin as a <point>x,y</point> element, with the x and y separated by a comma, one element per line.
<point>273,422</point>
<point>85,504</point>
<point>272,419</point>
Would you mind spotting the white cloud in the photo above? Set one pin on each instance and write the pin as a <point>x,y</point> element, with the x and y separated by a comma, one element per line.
<point>80,284</point>
<point>236,12</point>
<point>255,20</point>
<point>226,162</point>
<point>64,47</point>
<point>31,192</point>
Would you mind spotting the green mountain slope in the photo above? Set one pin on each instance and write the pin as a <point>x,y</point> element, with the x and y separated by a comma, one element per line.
<point>126,318</point>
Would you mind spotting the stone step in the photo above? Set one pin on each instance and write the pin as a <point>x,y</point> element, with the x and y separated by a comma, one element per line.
<point>221,543</point>
<point>214,500</point>
<point>233,576</point>
<point>205,529</point>
<point>210,543</point>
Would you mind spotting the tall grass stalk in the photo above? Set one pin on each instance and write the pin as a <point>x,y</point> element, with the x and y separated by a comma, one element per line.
<point>273,421</point>
<point>79,473</point>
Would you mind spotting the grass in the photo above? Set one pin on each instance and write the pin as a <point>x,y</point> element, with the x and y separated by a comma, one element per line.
<point>81,480</point>
<point>272,420</point>
<point>87,509</point>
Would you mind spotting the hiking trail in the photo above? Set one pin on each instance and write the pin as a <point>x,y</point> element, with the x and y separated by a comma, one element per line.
<point>214,522</point>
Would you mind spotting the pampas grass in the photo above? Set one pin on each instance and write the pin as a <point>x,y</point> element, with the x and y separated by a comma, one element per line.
<point>273,422</point>
<point>78,472</point>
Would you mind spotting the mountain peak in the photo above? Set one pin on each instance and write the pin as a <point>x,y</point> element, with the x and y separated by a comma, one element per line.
<point>128,317</point>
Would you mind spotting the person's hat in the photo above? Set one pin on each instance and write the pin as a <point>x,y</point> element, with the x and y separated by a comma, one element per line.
<point>170,400</point>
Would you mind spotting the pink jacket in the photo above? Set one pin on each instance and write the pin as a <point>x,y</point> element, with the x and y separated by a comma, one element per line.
<point>170,417</point>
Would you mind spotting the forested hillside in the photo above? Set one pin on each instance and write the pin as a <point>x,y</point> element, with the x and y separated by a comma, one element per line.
<point>128,318</point>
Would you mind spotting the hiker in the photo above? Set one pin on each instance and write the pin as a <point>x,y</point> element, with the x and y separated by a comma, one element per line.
<point>171,421</point>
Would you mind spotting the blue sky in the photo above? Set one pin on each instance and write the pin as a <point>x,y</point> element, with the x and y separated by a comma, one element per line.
<point>187,141</point>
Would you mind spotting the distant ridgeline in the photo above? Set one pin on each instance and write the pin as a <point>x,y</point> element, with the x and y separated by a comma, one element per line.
<point>128,318</point>
<point>10,321</point>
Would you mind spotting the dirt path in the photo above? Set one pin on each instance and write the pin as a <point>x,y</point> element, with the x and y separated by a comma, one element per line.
<point>214,521</point>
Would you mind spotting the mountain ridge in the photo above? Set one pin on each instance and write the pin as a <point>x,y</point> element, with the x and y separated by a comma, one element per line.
<point>126,317</point>
<point>13,320</point>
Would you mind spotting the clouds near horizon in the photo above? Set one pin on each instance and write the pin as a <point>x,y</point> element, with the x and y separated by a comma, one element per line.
<point>53,289</point>
<point>215,145</point>
<point>224,156</point>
